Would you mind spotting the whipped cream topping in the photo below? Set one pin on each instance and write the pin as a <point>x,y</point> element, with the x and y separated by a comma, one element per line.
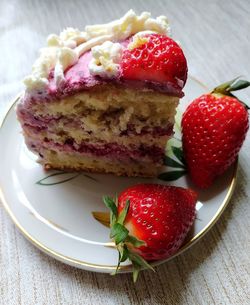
<point>63,50</point>
<point>128,25</point>
<point>40,69</point>
<point>66,57</point>
<point>106,58</point>
<point>68,38</point>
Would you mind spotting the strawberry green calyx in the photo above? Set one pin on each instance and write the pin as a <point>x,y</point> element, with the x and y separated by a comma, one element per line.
<point>123,240</point>
<point>230,86</point>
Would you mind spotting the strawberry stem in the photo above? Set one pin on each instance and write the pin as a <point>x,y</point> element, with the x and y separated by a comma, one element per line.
<point>125,242</point>
<point>223,88</point>
<point>233,85</point>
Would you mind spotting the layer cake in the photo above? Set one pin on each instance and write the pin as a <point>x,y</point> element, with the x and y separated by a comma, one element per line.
<point>104,99</point>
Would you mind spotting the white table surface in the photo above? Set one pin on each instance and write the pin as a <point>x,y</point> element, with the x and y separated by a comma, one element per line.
<point>215,36</point>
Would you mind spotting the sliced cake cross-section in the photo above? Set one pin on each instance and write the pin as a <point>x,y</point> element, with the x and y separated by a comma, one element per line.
<point>104,100</point>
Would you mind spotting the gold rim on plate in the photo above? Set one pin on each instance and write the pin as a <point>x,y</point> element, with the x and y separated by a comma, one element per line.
<point>97,267</point>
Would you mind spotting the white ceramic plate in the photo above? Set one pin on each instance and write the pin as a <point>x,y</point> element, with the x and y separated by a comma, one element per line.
<point>56,215</point>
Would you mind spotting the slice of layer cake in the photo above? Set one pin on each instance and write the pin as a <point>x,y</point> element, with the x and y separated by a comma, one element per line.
<point>104,100</point>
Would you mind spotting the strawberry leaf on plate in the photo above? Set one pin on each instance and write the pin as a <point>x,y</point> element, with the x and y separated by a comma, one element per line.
<point>172,163</point>
<point>178,152</point>
<point>171,176</point>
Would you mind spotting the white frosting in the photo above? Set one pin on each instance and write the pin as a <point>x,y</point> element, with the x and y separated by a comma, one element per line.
<point>68,38</point>
<point>40,69</point>
<point>128,25</point>
<point>95,41</point>
<point>64,50</point>
<point>66,57</point>
<point>106,58</point>
<point>143,33</point>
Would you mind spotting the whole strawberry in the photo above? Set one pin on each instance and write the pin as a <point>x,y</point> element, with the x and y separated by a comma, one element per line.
<point>150,222</point>
<point>157,59</point>
<point>214,127</point>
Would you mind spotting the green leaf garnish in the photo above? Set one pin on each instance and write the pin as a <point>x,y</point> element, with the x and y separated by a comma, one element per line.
<point>239,84</point>
<point>172,163</point>
<point>225,86</point>
<point>118,233</point>
<point>171,176</point>
<point>136,258</point>
<point>138,264</point>
<point>136,270</point>
<point>118,264</point>
<point>125,243</point>
<point>123,213</point>
<point>178,152</point>
<point>233,85</point>
<point>110,204</point>
<point>124,252</point>
<point>135,241</point>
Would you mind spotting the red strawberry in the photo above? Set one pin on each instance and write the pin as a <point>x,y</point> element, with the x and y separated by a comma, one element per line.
<point>150,222</point>
<point>160,60</point>
<point>214,127</point>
